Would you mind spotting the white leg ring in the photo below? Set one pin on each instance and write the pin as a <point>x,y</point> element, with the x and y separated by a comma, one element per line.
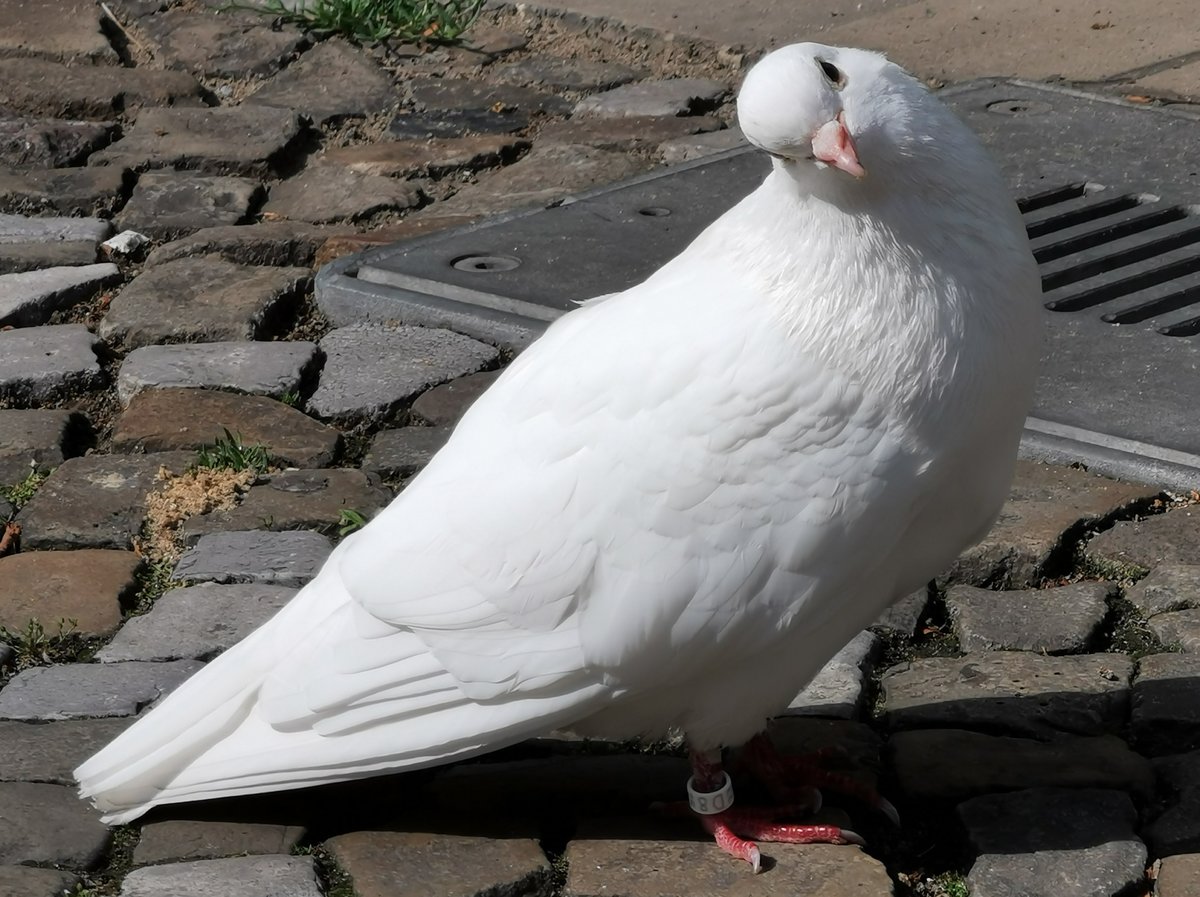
<point>710,803</point>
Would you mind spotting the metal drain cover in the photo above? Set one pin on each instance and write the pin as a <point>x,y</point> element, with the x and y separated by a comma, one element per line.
<point>1111,199</point>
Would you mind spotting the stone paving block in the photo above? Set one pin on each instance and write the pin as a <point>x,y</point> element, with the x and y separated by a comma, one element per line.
<point>565,74</point>
<point>464,95</point>
<point>71,191</point>
<point>1067,619</point>
<point>27,142</point>
<point>97,501</point>
<point>38,364</point>
<point>545,175</point>
<point>675,96</point>
<point>231,45</point>
<point>278,243</point>
<point>699,146</point>
<point>326,193</point>
<point>1179,876</point>
<point>1176,827</point>
<point>260,368</point>
<point>331,83</point>
<point>262,876</point>
<point>1011,692</point>
<point>164,419</point>
<point>20,229</point>
<point>30,881</point>
<point>852,748</point>
<point>285,559</point>
<point>1166,704</point>
<point>604,863</point>
<point>1178,628</point>
<point>296,499</point>
<point>901,619</point>
<point>197,622</point>
<point>635,132</point>
<point>100,92</point>
<point>29,298</point>
<point>39,439</point>
<point>450,123</point>
<point>48,824</point>
<point>344,242</point>
<point>50,751</point>
<point>18,257</point>
<point>1168,587</point>
<point>76,35</point>
<point>1053,842</point>
<point>837,690</point>
<point>416,864</point>
<point>203,300</point>
<point>222,140</point>
<point>91,690</point>
<point>955,764</point>
<point>173,205</point>
<point>371,370</point>
<point>444,405</point>
<point>1045,502</point>
<point>409,158</point>
<point>185,839</point>
<point>85,588</point>
<point>404,451</point>
<point>1172,538</point>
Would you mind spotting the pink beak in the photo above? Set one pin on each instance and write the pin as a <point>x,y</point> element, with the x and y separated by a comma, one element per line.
<point>833,145</point>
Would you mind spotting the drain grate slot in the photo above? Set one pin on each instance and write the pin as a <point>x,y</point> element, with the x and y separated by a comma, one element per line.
<point>1190,327</point>
<point>1064,243</point>
<point>1105,258</point>
<point>1077,212</point>
<point>1050,197</point>
<point>1175,298</point>
<point>1125,286</point>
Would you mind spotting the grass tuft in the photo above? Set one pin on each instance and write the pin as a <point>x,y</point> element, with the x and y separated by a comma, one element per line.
<point>350,521</point>
<point>335,881</point>
<point>230,453</point>
<point>428,21</point>
<point>19,494</point>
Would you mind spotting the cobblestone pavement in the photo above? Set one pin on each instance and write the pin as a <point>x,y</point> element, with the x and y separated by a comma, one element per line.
<point>1035,713</point>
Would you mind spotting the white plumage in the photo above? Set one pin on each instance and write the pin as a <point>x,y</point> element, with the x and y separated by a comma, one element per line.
<point>682,500</point>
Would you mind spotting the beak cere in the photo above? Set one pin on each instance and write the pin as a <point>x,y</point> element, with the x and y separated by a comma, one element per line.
<point>833,145</point>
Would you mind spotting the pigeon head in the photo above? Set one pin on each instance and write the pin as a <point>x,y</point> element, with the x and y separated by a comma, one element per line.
<point>828,107</point>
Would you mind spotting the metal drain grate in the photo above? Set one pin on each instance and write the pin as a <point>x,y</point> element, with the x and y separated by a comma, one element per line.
<point>1115,231</point>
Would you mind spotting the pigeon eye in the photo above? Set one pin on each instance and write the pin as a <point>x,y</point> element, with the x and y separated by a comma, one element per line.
<point>835,76</point>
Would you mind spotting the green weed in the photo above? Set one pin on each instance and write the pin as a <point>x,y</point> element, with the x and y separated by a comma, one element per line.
<point>376,20</point>
<point>350,521</point>
<point>231,453</point>
<point>19,494</point>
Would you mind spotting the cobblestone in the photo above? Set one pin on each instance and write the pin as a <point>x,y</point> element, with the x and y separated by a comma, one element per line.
<point>677,96</point>
<point>49,142</point>
<point>443,405</point>
<point>72,191</point>
<point>90,690</point>
<point>409,158</point>
<point>28,299</point>
<point>404,451</point>
<point>38,364</point>
<point>837,690</point>
<point>271,369</point>
<point>48,824</point>
<point>1166,704</point>
<point>1179,877</point>
<point>49,751</point>
<point>182,839</point>
<point>85,587</point>
<point>329,84</point>
<point>1175,828</point>
<point>39,439</point>
<point>263,876</point>
<point>628,133</point>
<point>328,193</point>
<point>98,92</point>
<point>276,243</point>
<point>565,74</point>
<point>1178,628</point>
<point>174,205</point>
<point>1165,539</point>
<point>284,559</point>
<point>75,37</point>
<point>30,881</point>
<point>1168,587</point>
<point>231,46</point>
<point>1067,619</point>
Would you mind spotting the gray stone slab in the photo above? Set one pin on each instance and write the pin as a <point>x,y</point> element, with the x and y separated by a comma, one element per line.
<point>186,839</point>
<point>259,368</point>
<point>231,45</point>
<point>676,96</point>
<point>326,193</point>
<point>410,158</point>
<point>1011,692</point>
<point>464,94</point>
<point>1053,842</point>
<point>29,298</point>
<point>222,140</point>
<point>31,881</point>
<point>955,764</point>
<point>101,92</point>
<point>278,243</point>
<point>449,123</point>
<point>50,751</point>
<point>1067,619</point>
<point>296,499</point>
<point>71,191</point>
<point>38,364</point>
<point>86,588</point>
<point>97,501</point>
<point>330,83</point>
<point>48,824</point>
<point>1168,587</point>
<point>1172,538</point>
<point>901,619</point>
<point>285,559</point>
<point>1178,629</point>
<point>566,74</point>
<point>74,36</point>
<point>170,206</point>
<point>39,439</point>
<point>1175,828</point>
<point>197,622</point>
<point>167,419</point>
<point>203,300</point>
<point>371,370</point>
<point>444,405</point>
<point>639,132</point>
<point>49,142</point>
<point>1166,704</point>
<point>262,876</point>
<point>404,451</point>
<point>837,690</point>
<point>18,257</point>
<point>1179,876</point>
<point>20,229</point>
<point>91,690</point>
<point>698,146</point>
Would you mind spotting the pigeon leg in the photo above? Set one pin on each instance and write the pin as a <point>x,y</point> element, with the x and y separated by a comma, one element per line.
<point>785,776</point>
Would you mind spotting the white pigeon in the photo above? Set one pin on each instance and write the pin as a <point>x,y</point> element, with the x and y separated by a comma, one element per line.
<point>683,499</point>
